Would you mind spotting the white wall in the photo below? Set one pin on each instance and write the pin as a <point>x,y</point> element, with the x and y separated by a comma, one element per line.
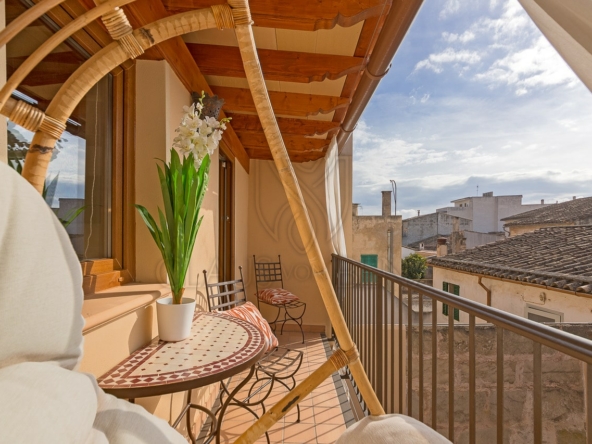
<point>513,296</point>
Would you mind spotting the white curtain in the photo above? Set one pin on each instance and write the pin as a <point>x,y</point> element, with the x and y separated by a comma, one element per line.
<point>567,24</point>
<point>333,194</point>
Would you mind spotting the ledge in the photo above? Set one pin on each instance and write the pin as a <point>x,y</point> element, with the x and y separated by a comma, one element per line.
<point>105,306</point>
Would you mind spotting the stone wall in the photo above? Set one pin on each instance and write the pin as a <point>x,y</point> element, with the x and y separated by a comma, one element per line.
<point>562,377</point>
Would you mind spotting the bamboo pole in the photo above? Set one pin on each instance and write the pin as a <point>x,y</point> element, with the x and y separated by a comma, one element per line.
<point>87,75</point>
<point>51,43</point>
<point>25,19</point>
<point>246,43</point>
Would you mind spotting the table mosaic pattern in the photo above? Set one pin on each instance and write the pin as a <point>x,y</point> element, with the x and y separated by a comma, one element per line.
<point>217,343</point>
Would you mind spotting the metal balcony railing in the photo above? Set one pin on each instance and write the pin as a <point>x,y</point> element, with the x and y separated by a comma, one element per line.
<point>398,345</point>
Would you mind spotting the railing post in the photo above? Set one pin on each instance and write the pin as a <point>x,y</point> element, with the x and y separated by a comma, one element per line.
<point>379,350</point>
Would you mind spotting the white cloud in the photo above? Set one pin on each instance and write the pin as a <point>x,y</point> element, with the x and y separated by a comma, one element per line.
<point>502,49</point>
<point>451,7</point>
<point>465,37</point>
<point>436,61</point>
<point>425,98</point>
<point>536,66</point>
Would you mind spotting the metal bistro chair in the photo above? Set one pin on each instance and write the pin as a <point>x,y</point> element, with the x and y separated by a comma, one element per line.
<point>279,365</point>
<point>269,272</point>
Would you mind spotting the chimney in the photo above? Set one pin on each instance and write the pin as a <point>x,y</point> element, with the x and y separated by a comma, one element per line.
<point>442,248</point>
<point>387,197</point>
<point>574,198</point>
<point>418,211</point>
<point>355,207</point>
<point>542,201</point>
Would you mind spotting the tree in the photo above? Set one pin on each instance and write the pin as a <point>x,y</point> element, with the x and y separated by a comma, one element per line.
<point>414,266</point>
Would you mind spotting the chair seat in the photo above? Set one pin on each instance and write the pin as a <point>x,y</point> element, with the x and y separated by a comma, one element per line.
<point>277,296</point>
<point>281,362</point>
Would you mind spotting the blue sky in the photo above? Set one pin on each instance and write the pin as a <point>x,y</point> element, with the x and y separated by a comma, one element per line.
<point>476,96</point>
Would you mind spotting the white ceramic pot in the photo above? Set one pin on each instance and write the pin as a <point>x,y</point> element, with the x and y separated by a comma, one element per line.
<point>174,320</point>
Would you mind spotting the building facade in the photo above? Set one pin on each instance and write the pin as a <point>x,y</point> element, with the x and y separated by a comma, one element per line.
<point>487,211</point>
<point>376,240</point>
<point>431,226</point>
<point>545,276</point>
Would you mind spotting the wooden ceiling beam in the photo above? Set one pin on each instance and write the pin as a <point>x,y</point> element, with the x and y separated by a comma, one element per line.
<point>302,127</point>
<point>299,15</point>
<point>240,100</point>
<point>294,143</point>
<point>175,52</point>
<point>287,66</point>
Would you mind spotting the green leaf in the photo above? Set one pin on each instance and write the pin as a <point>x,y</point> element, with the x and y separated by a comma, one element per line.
<point>71,216</point>
<point>152,227</point>
<point>183,188</point>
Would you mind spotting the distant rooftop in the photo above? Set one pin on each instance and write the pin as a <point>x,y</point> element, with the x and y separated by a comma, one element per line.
<point>488,194</point>
<point>570,211</point>
<point>429,243</point>
<point>556,257</point>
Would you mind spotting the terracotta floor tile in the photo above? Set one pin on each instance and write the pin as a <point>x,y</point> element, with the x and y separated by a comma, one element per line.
<point>328,416</point>
<point>302,433</point>
<point>329,433</point>
<point>321,419</point>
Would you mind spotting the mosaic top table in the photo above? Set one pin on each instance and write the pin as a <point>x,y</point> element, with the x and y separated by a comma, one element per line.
<point>218,347</point>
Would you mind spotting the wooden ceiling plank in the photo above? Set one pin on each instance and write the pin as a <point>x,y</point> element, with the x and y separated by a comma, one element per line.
<point>298,15</point>
<point>176,53</point>
<point>295,157</point>
<point>255,139</point>
<point>288,66</point>
<point>240,100</point>
<point>302,127</point>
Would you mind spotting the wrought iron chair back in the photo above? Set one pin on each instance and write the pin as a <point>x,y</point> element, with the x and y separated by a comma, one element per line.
<point>268,272</point>
<point>223,296</point>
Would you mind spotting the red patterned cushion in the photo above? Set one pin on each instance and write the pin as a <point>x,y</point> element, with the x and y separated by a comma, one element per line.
<point>248,312</point>
<point>276,296</point>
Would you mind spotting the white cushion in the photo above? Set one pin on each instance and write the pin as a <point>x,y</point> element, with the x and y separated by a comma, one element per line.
<point>41,399</point>
<point>40,280</point>
<point>44,403</point>
<point>388,429</point>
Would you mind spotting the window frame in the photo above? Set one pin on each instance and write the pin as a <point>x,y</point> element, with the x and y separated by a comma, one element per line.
<point>544,312</point>
<point>455,291</point>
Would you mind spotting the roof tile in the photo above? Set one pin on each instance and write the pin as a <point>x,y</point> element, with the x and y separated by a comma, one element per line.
<point>556,257</point>
<point>570,211</point>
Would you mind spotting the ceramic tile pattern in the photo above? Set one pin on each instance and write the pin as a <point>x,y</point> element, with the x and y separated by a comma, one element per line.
<point>556,257</point>
<point>324,414</point>
<point>217,342</point>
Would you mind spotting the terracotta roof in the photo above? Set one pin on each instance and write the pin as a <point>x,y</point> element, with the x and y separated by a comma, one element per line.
<point>556,257</point>
<point>429,243</point>
<point>570,211</point>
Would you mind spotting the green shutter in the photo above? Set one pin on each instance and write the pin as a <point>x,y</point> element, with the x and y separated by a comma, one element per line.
<point>445,309</point>
<point>456,314</point>
<point>456,290</point>
<point>445,286</point>
<point>372,261</point>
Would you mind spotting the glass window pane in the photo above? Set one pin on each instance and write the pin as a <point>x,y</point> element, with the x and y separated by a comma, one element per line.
<point>78,183</point>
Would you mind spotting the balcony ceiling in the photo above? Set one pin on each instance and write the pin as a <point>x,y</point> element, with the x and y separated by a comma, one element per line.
<point>312,55</point>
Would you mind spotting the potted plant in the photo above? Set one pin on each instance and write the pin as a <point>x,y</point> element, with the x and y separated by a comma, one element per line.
<point>183,182</point>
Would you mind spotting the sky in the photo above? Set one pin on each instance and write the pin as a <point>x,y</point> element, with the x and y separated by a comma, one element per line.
<point>476,97</point>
